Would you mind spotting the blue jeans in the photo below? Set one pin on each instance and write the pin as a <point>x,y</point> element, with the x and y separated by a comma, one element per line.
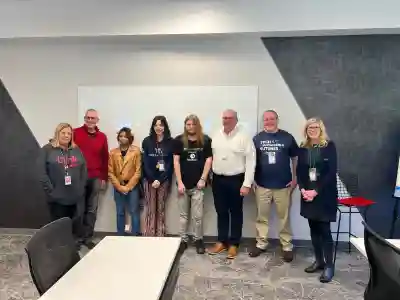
<point>132,200</point>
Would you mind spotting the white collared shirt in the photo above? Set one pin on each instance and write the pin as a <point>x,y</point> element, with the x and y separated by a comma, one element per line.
<point>233,154</point>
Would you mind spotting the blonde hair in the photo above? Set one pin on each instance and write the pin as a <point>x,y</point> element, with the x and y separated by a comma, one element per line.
<point>323,136</point>
<point>55,140</point>
<point>199,131</point>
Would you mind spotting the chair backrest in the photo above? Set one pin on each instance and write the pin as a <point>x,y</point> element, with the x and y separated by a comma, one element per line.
<point>384,261</point>
<point>52,252</point>
<point>347,184</point>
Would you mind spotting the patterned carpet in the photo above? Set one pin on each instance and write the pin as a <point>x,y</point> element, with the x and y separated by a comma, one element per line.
<point>215,278</point>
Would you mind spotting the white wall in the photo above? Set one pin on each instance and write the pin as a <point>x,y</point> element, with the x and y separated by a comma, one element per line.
<point>54,18</point>
<point>43,75</point>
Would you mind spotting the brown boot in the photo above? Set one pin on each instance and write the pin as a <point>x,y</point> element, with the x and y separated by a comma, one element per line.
<point>287,256</point>
<point>217,248</point>
<point>232,252</point>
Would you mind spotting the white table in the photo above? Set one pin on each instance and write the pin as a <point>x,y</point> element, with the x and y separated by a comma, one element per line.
<point>121,268</point>
<point>359,244</point>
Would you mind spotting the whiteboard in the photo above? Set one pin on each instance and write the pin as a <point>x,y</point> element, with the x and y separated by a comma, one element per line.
<point>136,106</point>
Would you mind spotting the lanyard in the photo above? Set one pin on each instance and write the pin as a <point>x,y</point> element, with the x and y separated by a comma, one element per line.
<point>66,159</point>
<point>313,156</point>
<point>159,150</point>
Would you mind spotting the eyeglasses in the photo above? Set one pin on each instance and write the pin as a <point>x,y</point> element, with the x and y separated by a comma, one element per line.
<point>313,127</point>
<point>90,118</point>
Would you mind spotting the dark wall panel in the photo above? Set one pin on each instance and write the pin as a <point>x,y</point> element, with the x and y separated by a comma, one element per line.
<point>22,203</point>
<point>353,84</point>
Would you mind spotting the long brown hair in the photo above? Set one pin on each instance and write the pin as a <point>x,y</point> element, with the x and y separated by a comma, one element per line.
<point>199,131</point>
<point>55,140</point>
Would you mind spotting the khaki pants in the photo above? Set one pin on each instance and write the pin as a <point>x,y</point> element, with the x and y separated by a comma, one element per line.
<point>191,207</point>
<point>282,199</point>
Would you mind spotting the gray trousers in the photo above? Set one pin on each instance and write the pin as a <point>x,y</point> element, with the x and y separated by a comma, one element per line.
<point>92,195</point>
<point>191,206</point>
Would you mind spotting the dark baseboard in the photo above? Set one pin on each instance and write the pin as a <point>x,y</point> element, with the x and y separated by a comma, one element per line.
<point>247,242</point>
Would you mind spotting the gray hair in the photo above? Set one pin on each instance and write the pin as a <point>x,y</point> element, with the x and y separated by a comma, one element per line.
<point>90,110</point>
<point>233,112</point>
<point>272,111</point>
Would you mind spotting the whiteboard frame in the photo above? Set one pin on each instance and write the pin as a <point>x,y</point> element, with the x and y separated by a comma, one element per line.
<point>83,90</point>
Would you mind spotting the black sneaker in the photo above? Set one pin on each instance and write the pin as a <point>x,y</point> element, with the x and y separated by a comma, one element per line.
<point>255,252</point>
<point>200,249</point>
<point>183,246</point>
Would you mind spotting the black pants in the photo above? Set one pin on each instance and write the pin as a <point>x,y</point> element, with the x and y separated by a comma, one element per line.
<point>229,207</point>
<point>321,238</point>
<point>58,211</point>
<point>92,193</point>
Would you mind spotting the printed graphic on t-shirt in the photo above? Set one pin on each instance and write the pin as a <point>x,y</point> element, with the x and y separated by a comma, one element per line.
<point>158,152</point>
<point>268,146</point>
<point>70,161</point>
<point>192,154</point>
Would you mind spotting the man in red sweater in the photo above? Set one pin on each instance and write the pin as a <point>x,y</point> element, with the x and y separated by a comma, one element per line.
<point>93,144</point>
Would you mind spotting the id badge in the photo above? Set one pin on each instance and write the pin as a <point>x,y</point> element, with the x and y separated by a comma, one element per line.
<point>67,180</point>
<point>313,174</point>
<point>161,166</point>
<point>271,158</point>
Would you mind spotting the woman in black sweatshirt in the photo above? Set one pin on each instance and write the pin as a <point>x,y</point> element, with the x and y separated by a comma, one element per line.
<point>63,176</point>
<point>157,173</point>
<point>316,175</point>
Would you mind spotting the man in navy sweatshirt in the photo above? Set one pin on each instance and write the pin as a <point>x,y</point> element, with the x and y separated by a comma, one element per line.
<point>94,146</point>
<point>275,179</point>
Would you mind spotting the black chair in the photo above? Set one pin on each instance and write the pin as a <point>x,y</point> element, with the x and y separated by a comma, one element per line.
<point>52,252</point>
<point>384,262</point>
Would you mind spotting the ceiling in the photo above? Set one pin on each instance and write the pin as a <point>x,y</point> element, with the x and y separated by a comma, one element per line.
<point>91,18</point>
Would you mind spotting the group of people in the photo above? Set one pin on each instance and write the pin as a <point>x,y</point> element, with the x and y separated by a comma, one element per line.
<point>76,164</point>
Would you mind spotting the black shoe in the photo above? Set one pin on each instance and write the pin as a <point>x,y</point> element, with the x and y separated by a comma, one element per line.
<point>327,275</point>
<point>90,245</point>
<point>200,249</point>
<point>315,267</point>
<point>256,252</point>
<point>183,246</point>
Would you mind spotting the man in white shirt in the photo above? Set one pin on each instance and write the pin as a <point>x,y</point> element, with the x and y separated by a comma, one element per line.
<point>234,160</point>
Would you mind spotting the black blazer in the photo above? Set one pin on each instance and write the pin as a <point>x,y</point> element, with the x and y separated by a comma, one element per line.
<point>324,205</point>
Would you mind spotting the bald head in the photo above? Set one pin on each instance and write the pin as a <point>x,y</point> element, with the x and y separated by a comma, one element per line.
<point>229,120</point>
